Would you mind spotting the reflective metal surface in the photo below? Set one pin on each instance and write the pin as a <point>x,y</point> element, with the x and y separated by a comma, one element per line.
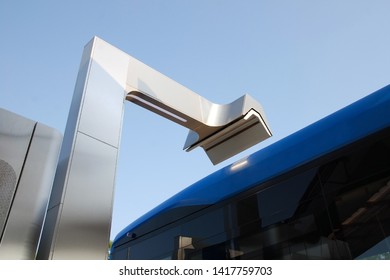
<point>86,208</point>
<point>221,130</point>
<point>15,136</point>
<point>15,132</point>
<point>79,214</point>
<point>31,150</point>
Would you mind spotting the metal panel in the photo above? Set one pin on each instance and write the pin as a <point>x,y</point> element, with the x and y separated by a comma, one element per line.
<point>7,189</point>
<point>22,233</point>
<point>101,116</point>
<point>28,153</point>
<point>71,127</point>
<point>47,243</point>
<point>86,212</point>
<point>15,136</point>
<point>102,108</point>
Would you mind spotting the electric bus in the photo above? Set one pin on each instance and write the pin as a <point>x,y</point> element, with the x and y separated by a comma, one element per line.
<point>321,193</point>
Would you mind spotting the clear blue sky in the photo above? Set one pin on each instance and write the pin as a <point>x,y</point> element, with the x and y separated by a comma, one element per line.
<point>301,59</point>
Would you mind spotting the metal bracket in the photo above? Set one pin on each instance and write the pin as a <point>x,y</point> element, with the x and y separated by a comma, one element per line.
<point>221,130</point>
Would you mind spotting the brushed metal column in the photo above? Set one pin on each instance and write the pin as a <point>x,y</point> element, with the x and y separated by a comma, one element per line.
<point>79,216</point>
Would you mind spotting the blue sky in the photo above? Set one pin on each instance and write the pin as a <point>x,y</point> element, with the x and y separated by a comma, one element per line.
<point>301,59</point>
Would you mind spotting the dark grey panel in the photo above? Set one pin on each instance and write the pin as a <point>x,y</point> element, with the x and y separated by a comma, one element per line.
<point>7,189</point>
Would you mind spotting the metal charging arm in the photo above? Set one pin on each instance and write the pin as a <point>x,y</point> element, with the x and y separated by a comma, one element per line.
<point>221,130</point>
<point>78,218</point>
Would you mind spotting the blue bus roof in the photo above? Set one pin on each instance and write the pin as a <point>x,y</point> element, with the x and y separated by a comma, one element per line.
<point>362,118</point>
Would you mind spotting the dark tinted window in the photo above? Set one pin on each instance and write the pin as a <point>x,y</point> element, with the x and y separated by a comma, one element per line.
<point>337,207</point>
